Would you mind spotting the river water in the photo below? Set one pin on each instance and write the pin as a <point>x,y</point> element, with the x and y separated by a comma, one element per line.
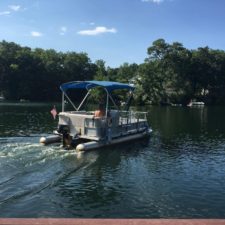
<point>178,173</point>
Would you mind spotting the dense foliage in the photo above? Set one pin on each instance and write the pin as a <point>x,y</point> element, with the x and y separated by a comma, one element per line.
<point>170,74</point>
<point>36,75</point>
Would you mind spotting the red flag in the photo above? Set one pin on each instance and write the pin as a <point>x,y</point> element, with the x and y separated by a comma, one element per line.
<point>54,112</point>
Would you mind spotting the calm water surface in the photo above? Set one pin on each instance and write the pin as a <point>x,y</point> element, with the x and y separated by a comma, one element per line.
<point>178,173</point>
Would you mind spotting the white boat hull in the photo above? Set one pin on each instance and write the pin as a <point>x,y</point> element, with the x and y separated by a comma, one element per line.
<point>94,144</point>
<point>50,139</point>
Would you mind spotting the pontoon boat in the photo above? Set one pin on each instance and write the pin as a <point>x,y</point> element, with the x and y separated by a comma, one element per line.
<point>83,130</point>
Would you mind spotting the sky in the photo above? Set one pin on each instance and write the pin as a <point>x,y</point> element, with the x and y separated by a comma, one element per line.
<point>116,31</point>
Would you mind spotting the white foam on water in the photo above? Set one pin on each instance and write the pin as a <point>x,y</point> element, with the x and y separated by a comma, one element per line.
<point>36,180</point>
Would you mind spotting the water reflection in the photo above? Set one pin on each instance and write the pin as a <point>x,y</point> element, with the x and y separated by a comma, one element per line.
<point>25,119</point>
<point>178,172</point>
<point>100,184</point>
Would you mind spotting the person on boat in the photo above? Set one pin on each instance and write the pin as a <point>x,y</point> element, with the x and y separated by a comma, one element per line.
<point>100,112</point>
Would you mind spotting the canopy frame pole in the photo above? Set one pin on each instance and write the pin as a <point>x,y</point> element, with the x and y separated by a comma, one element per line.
<point>63,102</point>
<point>128,102</point>
<point>70,101</point>
<point>107,101</point>
<point>84,100</point>
<point>113,101</point>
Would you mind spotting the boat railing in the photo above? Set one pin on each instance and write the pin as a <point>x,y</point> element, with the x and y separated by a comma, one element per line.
<point>116,118</point>
<point>127,117</point>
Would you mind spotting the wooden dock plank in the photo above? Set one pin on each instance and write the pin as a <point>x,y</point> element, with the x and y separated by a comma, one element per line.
<point>23,221</point>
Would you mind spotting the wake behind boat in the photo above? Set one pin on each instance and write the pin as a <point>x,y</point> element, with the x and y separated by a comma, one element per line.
<point>86,130</point>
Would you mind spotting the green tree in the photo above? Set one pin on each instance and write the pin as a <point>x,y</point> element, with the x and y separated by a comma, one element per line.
<point>101,72</point>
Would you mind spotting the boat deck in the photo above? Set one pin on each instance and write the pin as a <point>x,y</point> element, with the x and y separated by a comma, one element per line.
<point>86,126</point>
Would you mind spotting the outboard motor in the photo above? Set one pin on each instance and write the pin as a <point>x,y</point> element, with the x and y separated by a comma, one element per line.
<point>65,131</point>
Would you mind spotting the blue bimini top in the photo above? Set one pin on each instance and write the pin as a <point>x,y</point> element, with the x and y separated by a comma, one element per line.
<point>108,85</point>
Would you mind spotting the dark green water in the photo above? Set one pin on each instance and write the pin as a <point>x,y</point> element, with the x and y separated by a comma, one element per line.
<point>178,173</point>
